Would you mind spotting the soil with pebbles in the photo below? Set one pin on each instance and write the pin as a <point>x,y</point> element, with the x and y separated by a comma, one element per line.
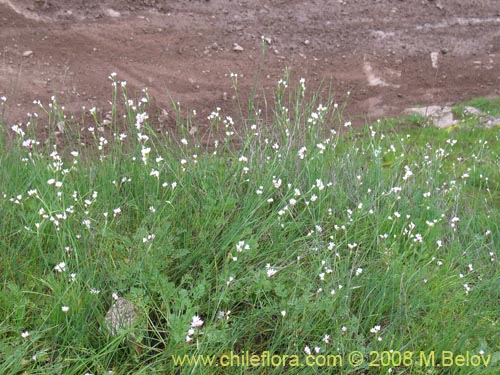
<point>389,54</point>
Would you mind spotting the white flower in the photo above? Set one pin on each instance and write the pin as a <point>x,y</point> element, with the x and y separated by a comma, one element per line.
<point>64,309</point>
<point>25,334</point>
<point>467,288</point>
<point>196,322</point>
<point>302,152</point>
<point>375,329</point>
<point>61,267</point>
<point>241,245</point>
<point>408,173</point>
<point>359,271</point>
<point>270,271</point>
<point>283,313</point>
<point>307,350</point>
<point>319,184</point>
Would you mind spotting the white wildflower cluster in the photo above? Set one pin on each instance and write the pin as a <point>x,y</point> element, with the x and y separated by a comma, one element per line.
<point>308,350</point>
<point>196,324</point>
<point>317,116</point>
<point>302,152</point>
<point>148,238</point>
<point>215,115</point>
<point>270,271</point>
<point>223,315</point>
<point>229,125</point>
<point>375,330</point>
<point>145,151</point>
<point>408,173</point>
<point>61,267</point>
<point>453,222</point>
<point>283,83</point>
<point>242,245</point>
<point>302,85</point>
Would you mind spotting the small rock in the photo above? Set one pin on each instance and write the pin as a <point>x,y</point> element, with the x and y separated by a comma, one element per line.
<point>27,53</point>
<point>444,51</point>
<point>112,13</point>
<point>493,122</point>
<point>224,96</point>
<point>163,117</point>
<point>473,111</point>
<point>441,117</point>
<point>237,48</point>
<point>434,59</point>
<point>60,127</point>
<point>307,42</point>
<point>121,315</point>
<point>267,39</point>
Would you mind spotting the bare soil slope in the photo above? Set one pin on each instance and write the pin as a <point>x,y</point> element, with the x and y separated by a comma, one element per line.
<point>379,50</point>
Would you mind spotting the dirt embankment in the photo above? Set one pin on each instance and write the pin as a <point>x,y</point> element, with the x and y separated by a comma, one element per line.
<point>390,54</point>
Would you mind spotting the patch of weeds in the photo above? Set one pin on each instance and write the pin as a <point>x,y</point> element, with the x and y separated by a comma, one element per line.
<point>293,234</point>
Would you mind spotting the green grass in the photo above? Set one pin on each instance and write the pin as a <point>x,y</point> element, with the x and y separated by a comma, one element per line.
<point>282,237</point>
<point>486,105</point>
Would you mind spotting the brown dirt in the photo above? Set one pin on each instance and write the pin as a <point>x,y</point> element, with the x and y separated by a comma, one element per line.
<point>379,50</point>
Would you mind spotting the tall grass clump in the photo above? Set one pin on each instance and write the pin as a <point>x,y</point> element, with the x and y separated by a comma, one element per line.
<point>293,234</point>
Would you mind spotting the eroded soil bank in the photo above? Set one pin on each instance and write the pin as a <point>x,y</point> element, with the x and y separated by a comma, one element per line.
<point>389,54</point>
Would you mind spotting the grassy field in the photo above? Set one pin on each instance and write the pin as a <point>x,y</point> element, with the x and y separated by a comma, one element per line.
<point>292,233</point>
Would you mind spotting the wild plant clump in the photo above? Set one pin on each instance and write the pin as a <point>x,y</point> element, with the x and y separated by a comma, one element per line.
<point>295,235</point>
